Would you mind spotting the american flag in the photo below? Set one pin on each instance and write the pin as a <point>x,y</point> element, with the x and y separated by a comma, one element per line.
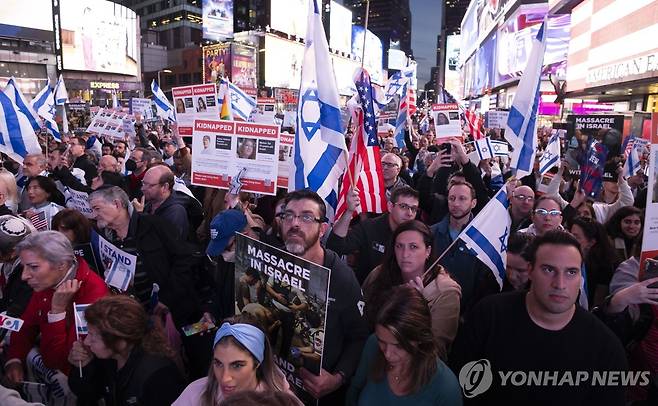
<point>474,122</point>
<point>39,221</point>
<point>364,158</point>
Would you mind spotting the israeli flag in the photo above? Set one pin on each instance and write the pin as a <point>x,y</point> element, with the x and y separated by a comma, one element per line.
<point>17,97</point>
<point>320,151</point>
<point>241,103</point>
<point>424,124</point>
<point>522,118</point>
<point>17,137</point>
<point>551,155</point>
<point>632,164</point>
<point>396,85</point>
<point>61,97</point>
<point>44,104</point>
<point>489,238</point>
<point>162,105</point>
<point>487,148</point>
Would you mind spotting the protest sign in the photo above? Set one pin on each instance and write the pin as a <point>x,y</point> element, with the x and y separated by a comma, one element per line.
<point>289,296</point>
<point>286,147</point>
<point>649,256</point>
<point>591,173</point>
<point>194,102</point>
<point>118,265</point>
<point>86,252</point>
<point>225,148</point>
<point>78,200</point>
<point>446,120</point>
<point>590,126</point>
<point>141,106</point>
<point>265,111</point>
<point>78,115</point>
<point>495,119</point>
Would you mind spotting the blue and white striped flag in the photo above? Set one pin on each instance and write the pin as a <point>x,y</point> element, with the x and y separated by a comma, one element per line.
<point>320,151</point>
<point>632,164</point>
<point>522,118</point>
<point>487,148</point>
<point>162,105</point>
<point>80,321</point>
<point>61,97</point>
<point>44,104</point>
<point>17,137</point>
<point>489,238</point>
<point>241,103</point>
<point>17,97</point>
<point>403,107</point>
<point>424,125</point>
<point>551,155</point>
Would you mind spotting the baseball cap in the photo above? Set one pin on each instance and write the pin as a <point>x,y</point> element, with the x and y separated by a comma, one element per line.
<point>222,228</point>
<point>12,231</point>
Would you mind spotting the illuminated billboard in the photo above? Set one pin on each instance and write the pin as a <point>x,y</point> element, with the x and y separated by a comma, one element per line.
<point>451,81</point>
<point>289,16</point>
<point>216,62</point>
<point>217,19</point>
<point>99,36</point>
<point>340,23</point>
<point>374,54</point>
<point>36,14</point>
<point>243,68</point>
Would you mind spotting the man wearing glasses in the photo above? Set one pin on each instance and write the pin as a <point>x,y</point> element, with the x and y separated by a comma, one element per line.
<point>546,216</point>
<point>304,223</point>
<point>391,166</point>
<point>522,200</point>
<point>370,237</point>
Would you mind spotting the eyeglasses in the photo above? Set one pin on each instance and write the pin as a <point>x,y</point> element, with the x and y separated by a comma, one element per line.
<point>524,198</point>
<point>404,206</point>
<point>305,218</point>
<point>389,165</point>
<point>544,212</point>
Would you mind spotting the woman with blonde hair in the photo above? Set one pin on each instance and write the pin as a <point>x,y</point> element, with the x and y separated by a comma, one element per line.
<point>242,361</point>
<point>8,192</point>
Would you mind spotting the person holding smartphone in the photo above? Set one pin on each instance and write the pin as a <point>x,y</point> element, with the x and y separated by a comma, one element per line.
<point>407,260</point>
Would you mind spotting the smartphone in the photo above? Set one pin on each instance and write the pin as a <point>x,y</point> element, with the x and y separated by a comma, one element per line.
<point>196,328</point>
<point>650,271</point>
<point>446,147</point>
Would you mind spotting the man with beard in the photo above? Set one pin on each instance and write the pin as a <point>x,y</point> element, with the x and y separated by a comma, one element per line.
<point>304,223</point>
<point>553,337</point>
<point>473,276</point>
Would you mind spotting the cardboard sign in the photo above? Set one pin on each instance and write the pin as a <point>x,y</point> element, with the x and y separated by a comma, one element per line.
<point>446,120</point>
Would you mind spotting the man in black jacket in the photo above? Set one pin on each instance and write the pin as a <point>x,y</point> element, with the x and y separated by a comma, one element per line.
<point>304,223</point>
<point>161,200</point>
<point>81,161</point>
<point>162,258</point>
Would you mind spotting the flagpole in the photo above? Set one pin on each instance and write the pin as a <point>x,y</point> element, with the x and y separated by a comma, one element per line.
<point>365,33</point>
<point>435,263</point>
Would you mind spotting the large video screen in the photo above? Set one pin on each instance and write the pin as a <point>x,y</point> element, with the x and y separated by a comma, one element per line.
<point>283,62</point>
<point>217,19</point>
<point>340,22</point>
<point>99,36</point>
<point>36,14</point>
<point>289,16</point>
<point>373,59</point>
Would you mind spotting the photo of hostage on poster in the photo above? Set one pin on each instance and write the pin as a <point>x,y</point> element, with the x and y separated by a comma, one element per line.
<point>224,149</point>
<point>192,103</point>
<point>288,295</point>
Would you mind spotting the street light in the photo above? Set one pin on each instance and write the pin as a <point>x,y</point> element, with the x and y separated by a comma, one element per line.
<point>165,71</point>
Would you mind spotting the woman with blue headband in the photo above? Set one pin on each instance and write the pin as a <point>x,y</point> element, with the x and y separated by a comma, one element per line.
<point>242,360</point>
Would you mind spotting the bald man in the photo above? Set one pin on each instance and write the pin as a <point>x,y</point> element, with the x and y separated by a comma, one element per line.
<point>160,200</point>
<point>391,166</point>
<point>108,163</point>
<point>522,200</point>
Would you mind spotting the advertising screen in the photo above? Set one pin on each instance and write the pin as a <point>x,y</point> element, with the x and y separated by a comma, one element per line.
<point>374,55</point>
<point>469,31</point>
<point>217,19</point>
<point>289,16</point>
<point>99,36</point>
<point>36,14</point>
<point>485,65</point>
<point>283,62</point>
<point>243,69</point>
<point>340,23</point>
<point>515,43</point>
<point>451,82</point>
<point>216,61</point>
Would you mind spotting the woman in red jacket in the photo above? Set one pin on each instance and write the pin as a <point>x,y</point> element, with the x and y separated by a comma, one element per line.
<point>58,279</point>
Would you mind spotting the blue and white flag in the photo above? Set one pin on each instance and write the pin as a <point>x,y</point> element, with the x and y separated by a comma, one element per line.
<point>487,148</point>
<point>489,238</point>
<point>44,104</point>
<point>522,119</point>
<point>17,97</point>
<point>408,75</point>
<point>80,321</point>
<point>61,97</point>
<point>17,137</point>
<point>241,103</point>
<point>424,125</point>
<point>320,152</point>
<point>396,84</point>
<point>162,105</point>
<point>551,155</point>
<point>632,164</point>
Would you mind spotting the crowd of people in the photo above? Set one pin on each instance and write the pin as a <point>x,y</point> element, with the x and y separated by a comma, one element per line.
<point>410,304</point>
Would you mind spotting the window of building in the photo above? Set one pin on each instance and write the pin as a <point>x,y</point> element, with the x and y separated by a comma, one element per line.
<point>150,8</point>
<point>170,80</point>
<point>196,77</point>
<point>184,79</point>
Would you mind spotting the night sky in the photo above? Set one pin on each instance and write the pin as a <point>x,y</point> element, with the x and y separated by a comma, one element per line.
<point>426,24</point>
